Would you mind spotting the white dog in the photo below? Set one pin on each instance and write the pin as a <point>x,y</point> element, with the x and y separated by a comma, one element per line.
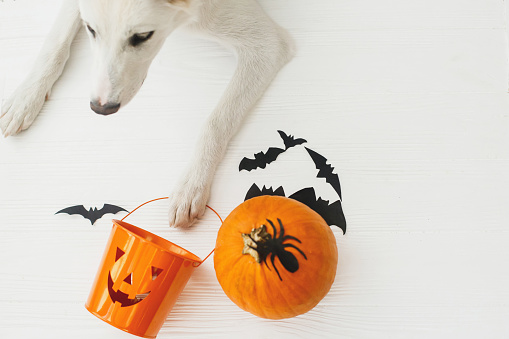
<point>125,36</point>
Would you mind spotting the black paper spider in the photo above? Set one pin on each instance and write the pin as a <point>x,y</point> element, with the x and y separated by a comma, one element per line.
<point>276,245</point>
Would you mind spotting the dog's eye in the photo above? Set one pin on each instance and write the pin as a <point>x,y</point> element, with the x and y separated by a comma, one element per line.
<point>91,30</point>
<point>140,38</point>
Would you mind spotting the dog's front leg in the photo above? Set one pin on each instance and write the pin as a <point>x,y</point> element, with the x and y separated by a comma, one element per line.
<point>262,48</point>
<point>20,110</point>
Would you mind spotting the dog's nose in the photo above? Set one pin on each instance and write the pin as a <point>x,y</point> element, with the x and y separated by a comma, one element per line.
<point>108,108</point>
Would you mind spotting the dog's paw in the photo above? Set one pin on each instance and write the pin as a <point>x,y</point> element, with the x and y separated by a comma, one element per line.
<point>187,203</point>
<point>20,110</point>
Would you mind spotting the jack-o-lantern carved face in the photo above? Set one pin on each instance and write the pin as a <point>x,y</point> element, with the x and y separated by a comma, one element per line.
<point>139,280</point>
<point>122,297</point>
<point>136,266</point>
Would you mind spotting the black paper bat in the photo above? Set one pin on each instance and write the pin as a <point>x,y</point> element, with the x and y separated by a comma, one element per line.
<point>325,171</point>
<point>290,141</point>
<point>93,214</point>
<point>331,213</point>
<point>261,159</point>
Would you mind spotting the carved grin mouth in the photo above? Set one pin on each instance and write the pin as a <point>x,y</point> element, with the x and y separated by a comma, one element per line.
<point>121,297</point>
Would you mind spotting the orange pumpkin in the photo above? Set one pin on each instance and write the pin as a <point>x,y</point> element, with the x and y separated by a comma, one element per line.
<point>275,257</point>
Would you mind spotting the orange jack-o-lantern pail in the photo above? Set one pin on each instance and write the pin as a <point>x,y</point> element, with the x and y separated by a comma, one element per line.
<point>139,279</point>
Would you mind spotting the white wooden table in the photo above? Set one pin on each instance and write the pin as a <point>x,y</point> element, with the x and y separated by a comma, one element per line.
<point>407,99</point>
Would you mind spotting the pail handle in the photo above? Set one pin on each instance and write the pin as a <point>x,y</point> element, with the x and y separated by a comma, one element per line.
<point>210,208</point>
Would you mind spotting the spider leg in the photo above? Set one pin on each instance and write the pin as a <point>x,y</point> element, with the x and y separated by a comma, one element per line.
<point>265,261</point>
<point>289,237</point>
<point>274,228</point>
<point>281,228</point>
<point>298,249</point>
<point>272,257</point>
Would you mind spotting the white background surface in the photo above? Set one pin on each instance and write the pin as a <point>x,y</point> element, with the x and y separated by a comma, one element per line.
<point>406,98</point>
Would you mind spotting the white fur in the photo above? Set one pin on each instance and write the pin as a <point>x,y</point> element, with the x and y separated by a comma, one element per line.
<point>261,47</point>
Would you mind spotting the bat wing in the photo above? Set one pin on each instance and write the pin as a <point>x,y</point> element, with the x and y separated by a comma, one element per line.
<point>255,191</point>
<point>96,214</point>
<point>325,171</point>
<point>290,141</point>
<point>248,164</point>
<point>261,159</point>
<point>78,209</point>
<point>113,209</point>
<point>332,214</point>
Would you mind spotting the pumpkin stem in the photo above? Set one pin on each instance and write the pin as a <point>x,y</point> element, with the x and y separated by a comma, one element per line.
<point>255,241</point>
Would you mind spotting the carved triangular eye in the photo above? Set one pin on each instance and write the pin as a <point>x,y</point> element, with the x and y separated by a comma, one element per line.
<point>155,272</point>
<point>129,279</point>
<point>119,254</point>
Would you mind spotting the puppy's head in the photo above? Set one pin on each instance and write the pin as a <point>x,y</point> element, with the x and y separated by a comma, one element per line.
<point>125,36</point>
